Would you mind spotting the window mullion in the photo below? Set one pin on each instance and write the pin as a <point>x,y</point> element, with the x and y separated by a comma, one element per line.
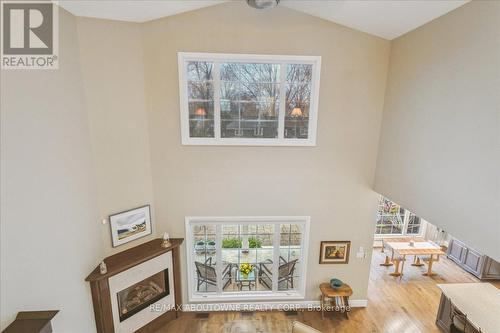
<point>218,257</point>
<point>217,115</point>
<point>276,256</point>
<point>405,222</point>
<point>282,108</point>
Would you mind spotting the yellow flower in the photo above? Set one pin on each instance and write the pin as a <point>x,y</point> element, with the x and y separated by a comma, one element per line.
<point>246,268</point>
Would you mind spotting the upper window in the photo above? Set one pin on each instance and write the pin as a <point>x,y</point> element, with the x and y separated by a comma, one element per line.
<point>234,99</point>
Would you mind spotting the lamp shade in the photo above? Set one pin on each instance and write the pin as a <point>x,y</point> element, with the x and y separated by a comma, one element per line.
<point>200,112</point>
<point>296,112</point>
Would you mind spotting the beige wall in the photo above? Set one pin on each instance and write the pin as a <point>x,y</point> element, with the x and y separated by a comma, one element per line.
<point>49,237</point>
<point>330,182</point>
<point>104,134</point>
<point>439,148</point>
<point>113,73</point>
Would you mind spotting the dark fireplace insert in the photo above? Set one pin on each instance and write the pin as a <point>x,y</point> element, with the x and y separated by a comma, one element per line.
<point>140,295</point>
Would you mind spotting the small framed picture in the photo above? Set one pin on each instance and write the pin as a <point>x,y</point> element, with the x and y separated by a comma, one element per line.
<point>334,252</point>
<point>129,225</point>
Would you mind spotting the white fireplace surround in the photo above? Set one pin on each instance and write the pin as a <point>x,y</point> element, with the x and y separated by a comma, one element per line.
<point>136,274</point>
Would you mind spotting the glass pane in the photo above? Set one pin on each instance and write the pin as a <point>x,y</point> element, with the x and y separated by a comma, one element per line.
<point>247,244</point>
<point>249,100</point>
<point>265,254</point>
<point>200,91</point>
<point>230,229</point>
<point>205,258</point>
<point>289,265</point>
<point>247,257</point>
<point>257,92</point>
<point>200,99</point>
<point>413,224</point>
<point>298,100</point>
<point>203,230</point>
<point>140,295</point>
<point>262,241</point>
<point>299,73</point>
<point>231,242</point>
<point>390,218</point>
<point>250,73</point>
<point>290,239</point>
<point>201,119</point>
<point>249,119</point>
<point>231,256</point>
<point>200,71</point>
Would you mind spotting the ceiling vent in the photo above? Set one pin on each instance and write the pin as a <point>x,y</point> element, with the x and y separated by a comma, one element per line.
<point>263,4</point>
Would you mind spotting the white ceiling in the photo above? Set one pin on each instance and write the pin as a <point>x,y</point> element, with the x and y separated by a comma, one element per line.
<point>384,18</point>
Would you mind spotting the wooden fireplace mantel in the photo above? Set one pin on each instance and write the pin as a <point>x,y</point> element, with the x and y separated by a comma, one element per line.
<point>120,262</point>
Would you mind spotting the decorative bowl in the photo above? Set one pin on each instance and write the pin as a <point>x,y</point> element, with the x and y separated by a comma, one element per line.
<point>336,283</point>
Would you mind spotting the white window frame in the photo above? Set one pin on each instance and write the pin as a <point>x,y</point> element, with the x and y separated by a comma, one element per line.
<point>243,296</point>
<point>217,58</point>
<point>406,220</point>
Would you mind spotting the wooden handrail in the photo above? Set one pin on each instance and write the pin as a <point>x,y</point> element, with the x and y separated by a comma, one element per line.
<point>32,322</point>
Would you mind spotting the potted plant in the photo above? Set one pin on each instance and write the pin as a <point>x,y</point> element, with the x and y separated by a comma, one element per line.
<point>199,247</point>
<point>211,247</point>
<point>245,269</point>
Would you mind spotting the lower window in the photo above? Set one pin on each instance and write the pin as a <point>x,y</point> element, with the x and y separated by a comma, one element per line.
<point>246,257</point>
<point>392,219</point>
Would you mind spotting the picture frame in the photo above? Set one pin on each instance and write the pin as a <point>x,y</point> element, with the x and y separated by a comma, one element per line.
<point>130,225</point>
<point>334,252</point>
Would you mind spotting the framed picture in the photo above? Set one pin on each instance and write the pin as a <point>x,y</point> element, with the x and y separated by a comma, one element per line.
<point>129,225</point>
<point>334,252</point>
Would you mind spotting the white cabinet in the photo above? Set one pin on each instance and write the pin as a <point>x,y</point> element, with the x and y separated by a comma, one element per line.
<point>473,261</point>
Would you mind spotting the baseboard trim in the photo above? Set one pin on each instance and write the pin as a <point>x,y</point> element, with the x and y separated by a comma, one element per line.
<point>358,303</point>
<point>264,306</point>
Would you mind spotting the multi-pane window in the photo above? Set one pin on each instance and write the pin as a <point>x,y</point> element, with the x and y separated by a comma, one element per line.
<point>249,100</point>
<point>392,219</point>
<point>414,224</point>
<point>220,248</point>
<point>200,99</point>
<point>298,100</point>
<point>232,99</point>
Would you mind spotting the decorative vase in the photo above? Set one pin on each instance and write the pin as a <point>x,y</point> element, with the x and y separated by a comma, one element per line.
<point>336,283</point>
<point>245,276</point>
<point>103,268</point>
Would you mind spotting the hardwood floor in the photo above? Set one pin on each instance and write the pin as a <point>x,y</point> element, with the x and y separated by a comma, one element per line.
<point>406,305</point>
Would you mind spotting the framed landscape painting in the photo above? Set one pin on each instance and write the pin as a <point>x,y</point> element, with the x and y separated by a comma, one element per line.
<point>334,252</point>
<point>129,225</point>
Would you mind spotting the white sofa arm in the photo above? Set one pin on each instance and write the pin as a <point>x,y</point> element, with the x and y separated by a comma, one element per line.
<point>298,327</point>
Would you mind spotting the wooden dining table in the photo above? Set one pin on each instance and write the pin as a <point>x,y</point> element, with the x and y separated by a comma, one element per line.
<point>388,262</point>
<point>421,248</point>
<point>406,239</point>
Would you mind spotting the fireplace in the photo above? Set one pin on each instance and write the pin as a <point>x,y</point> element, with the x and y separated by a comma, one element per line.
<point>142,294</point>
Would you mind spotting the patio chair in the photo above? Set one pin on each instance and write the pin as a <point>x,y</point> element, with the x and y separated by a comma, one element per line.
<point>285,272</point>
<point>207,274</point>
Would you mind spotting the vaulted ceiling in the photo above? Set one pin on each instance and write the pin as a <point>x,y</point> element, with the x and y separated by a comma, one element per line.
<point>384,18</point>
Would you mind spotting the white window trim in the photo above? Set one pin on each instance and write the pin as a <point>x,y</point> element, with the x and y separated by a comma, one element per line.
<point>242,296</point>
<point>423,228</point>
<point>184,57</point>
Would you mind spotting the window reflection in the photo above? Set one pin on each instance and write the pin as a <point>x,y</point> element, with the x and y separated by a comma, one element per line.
<point>298,100</point>
<point>200,99</point>
<point>249,100</point>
